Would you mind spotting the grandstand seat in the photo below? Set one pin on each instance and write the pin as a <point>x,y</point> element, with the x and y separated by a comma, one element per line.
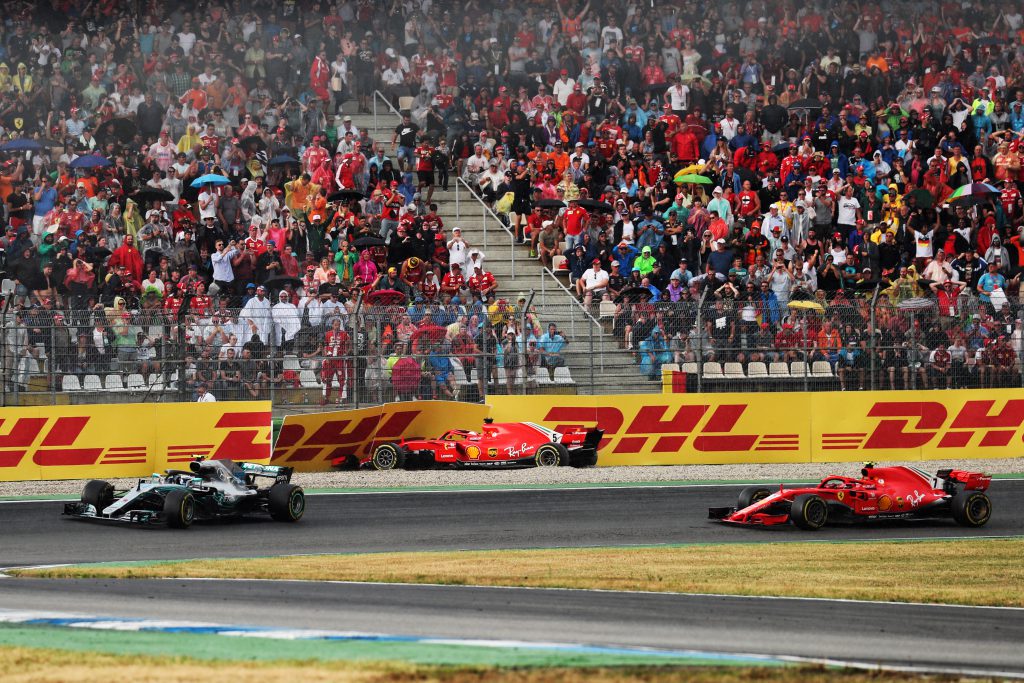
<point>757,370</point>
<point>405,103</point>
<point>799,369</point>
<point>70,383</point>
<point>459,372</point>
<point>734,371</point>
<point>502,377</point>
<point>669,367</point>
<point>92,383</point>
<point>690,368</point>
<point>113,383</point>
<point>606,309</point>
<point>291,363</point>
<point>779,371</point>
<point>543,378</point>
<point>562,376</point>
<point>713,370</point>
<point>136,382</point>
<point>156,382</point>
<point>308,379</point>
<point>821,369</point>
<point>8,286</point>
<point>559,264</point>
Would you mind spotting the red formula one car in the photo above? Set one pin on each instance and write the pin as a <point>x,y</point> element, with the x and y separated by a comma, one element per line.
<point>881,493</point>
<point>498,444</point>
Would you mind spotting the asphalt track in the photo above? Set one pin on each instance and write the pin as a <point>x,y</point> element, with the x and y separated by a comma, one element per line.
<point>936,637</point>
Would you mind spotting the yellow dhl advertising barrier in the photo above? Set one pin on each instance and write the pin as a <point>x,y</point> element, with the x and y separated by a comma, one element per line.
<point>127,440</point>
<point>673,429</point>
<point>310,442</point>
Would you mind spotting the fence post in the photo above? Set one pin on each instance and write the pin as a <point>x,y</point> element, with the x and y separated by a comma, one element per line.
<point>700,340</point>
<point>593,389</point>
<point>872,317</point>
<point>483,220</point>
<point>50,376</point>
<point>458,199</point>
<point>4,370</point>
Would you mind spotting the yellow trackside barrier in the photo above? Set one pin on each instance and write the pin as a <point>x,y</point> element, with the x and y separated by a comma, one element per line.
<point>672,429</point>
<point>127,440</point>
<point>309,442</point>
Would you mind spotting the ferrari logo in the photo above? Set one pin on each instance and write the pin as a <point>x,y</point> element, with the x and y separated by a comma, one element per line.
<point>840,495</point>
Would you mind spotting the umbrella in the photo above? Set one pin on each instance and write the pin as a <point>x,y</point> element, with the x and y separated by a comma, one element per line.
<point>280,281</point>
<point>21,145</point>
<point>550,204</point>
<point>253,141</point>
<point>804,105</point>
<point>428,335</point>
<point>282,160</point>
<point>89,161</point>
<point>368,241</point>
<point>917,303</point>
<point>594,205</point>
<point>120,130</point>
<point>692,168</point>
<point>345,196</point>
<point>211,179</point>
<point>806,305</point>
<point>634,294</point>
<point>691,78</point>
<point>405,375</point>
<point>692,178</point>
<point>972,193</point>
<point>153,194</point>
<point>923,199</point>
<point>386,297</point>
<point>781,147</point>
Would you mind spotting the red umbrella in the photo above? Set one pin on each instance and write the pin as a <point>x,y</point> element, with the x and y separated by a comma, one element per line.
<point>385,297</point>
<point>405,376</point>
<point>427,336</point>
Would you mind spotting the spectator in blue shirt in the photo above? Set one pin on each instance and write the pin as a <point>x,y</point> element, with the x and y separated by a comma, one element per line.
<point>551,345</point>
<point>44,196</point>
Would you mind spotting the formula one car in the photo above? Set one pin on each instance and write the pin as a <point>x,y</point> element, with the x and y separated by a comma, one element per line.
<point>211,489</point>
<point>881,493</point>
<point>498,445</point>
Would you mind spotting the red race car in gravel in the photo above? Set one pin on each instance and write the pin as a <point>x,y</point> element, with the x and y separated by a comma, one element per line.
<point>899,492</point>
<point>497,445</point>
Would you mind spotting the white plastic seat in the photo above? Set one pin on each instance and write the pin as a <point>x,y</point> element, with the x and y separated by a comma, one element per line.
<point>559,263</point>
<point>779,371</point>
<point>606,309</point>
<point>307,378</point>
<point>713,370</point>
<point>70,383</point>
<point>136,382</point>
<point>734,371</point>
<point>92,383</point>
<point>669,367</point>
<point>757,370</point>
<point>459,372</point>
<point>799,369</point>
<point>8,286</point>
<point>562,376</point>
<point>291,363</point>
<point>113,383</point>
<point>821,368</point>
<point>405,103</point>
<point>543,378</point>
<point>502,378</point>
<point>690,368</point>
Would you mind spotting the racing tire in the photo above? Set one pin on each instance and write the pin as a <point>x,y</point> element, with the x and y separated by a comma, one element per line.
<point>349,464</point>
<point>809,512</point>
<point>583,459</point>
<point>971,508</point>
<point>551,455</point>
<point>179,509</point>
<point>388,456</point>
<point>751,495</point>
<point>99,494</point>
<point>286,502</point>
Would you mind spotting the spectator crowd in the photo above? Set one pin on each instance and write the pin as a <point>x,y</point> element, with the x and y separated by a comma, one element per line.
<point>165,166</point>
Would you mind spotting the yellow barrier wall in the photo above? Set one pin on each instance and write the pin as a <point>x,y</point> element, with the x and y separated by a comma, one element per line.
<point>786,427</point>
<point>127,440</point>
<point>309,442</point>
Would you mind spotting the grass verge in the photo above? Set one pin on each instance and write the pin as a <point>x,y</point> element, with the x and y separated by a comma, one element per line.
<point>23,664</point>
<point>968,572</point>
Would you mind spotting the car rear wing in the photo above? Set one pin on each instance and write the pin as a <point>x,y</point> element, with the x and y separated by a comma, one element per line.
<point>270,471</point>
<point>972,481</point>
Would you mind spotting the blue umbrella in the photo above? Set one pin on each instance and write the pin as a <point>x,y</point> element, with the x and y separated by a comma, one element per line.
<point>89,161</point>
<point>21,145</point>
<point>282,159</point>
<point>210,179</point>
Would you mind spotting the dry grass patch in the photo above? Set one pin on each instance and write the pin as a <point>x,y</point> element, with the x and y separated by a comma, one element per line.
<point>31,665</point>
<point>981,572</point>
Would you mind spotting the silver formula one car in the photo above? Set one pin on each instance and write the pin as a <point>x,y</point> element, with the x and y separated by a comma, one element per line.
<point>209,490</point>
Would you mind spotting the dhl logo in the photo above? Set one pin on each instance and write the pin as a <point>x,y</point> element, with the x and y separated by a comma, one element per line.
<point>59,442</point>
<point>913,424</point>
<point>709,429</point>
<point>340,437</point>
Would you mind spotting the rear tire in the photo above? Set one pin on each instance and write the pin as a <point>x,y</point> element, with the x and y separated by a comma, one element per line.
<point>286,502</point>
<point>179,509</point>
<point>583,459</point>
<point>971,508</point>
<point>551,455</point>
<point>751,495</point>
<point>99,494</point>
<point>388,456</point>
<point>809,512</point>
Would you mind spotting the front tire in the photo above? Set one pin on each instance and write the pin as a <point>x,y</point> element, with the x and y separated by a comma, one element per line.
<point>809,512</point>
<point>99,494</point>
<point>179,509</point>
<point>388,456</point>
<point>751,495</point>
<point>286,502</point>
<point>971,508</point>
<point>551,455</point>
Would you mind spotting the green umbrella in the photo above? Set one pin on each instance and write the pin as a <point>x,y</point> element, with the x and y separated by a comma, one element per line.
<point>693,178</point>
